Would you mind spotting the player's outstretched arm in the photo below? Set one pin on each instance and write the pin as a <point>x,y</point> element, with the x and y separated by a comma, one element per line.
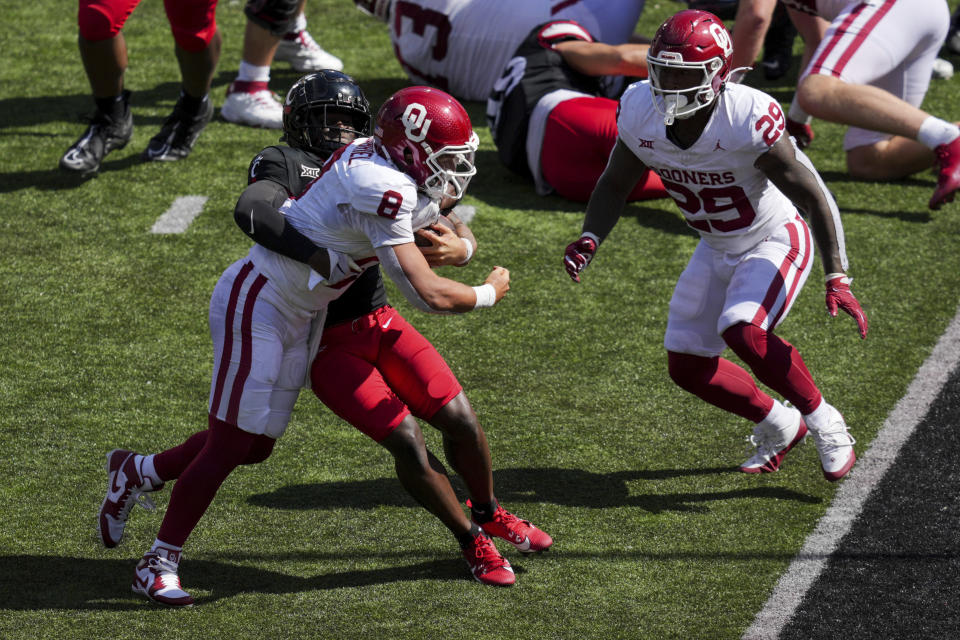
<point>601,59</point>
<point>427,291</point>
<point>604,207</point>
<point>793,173</point>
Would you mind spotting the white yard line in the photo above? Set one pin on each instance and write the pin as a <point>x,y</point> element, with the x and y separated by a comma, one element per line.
<point>853,492</point>
<point>181,213</point>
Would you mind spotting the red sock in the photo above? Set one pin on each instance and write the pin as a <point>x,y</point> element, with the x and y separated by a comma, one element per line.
<point>721,383</point>
<point>170,464</point>
<point>226,447</point>
<point>776,363</point>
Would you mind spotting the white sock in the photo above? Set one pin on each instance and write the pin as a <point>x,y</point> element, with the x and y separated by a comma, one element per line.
<point>821,417</point>
<point>935,132</point>
<point>147,470</point>
<point>779,417</point>
<point>300,24</point>
<point>252,73</point>
<point>169,551</point>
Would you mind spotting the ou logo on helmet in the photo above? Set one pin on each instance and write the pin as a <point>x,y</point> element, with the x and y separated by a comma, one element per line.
<point>415,122</point>
<point>721,37</point>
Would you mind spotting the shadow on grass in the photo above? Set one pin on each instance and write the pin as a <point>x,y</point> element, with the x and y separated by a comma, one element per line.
<point>567,487</point>
<point>51,582</point>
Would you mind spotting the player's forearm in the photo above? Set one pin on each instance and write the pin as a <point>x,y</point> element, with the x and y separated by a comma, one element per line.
<point>258,216</point>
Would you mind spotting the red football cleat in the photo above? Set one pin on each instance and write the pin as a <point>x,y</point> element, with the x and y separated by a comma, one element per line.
<point>486,564</point>
<point>520,533</point>
<point>948,179</point>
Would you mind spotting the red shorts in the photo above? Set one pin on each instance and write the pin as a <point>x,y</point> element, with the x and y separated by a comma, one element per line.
<point>377,369</point>
<point>193,22</point>
<point>577,141</point>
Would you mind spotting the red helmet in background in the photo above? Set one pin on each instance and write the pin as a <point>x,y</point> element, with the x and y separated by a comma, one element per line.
<point>428,136</point>
<point>689,40</point>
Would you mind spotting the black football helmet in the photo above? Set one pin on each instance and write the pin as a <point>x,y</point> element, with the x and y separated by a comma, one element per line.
<point>324,111</point>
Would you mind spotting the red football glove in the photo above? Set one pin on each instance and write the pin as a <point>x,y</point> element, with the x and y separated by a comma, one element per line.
<point>801,132</point>
<point>840,296</point>
<point>578,256</point>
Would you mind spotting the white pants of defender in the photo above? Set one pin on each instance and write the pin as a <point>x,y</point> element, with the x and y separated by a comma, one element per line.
<point>260,351</point>
<point>718,290</point>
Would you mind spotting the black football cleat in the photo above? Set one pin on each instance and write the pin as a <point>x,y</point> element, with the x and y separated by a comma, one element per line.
<point>104,134</point>
<point>179,132</point>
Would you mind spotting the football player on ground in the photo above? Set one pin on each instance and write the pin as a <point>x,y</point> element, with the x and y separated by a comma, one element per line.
<point>552,112</point>
<point>869,70</point>
<point>250,399</point>
<point>721,151</point>
<point>461,46</point>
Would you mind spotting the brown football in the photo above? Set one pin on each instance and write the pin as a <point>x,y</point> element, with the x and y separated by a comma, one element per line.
<point>424,242</point>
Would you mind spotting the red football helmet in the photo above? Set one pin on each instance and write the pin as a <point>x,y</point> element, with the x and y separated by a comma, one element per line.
<point>690,40</point>
<point>428,135</point>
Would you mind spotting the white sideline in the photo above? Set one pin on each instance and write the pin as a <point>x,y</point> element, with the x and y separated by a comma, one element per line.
<point>853,492</point>
<point>181,213</point>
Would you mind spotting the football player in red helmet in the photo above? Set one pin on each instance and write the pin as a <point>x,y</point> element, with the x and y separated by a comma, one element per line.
<point>688,62</point>
<point>741,183</point>
<point>428,135</point>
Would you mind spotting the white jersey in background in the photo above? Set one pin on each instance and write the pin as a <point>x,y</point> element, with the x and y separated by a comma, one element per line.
<point>462,46</point>
<point>721,194</point>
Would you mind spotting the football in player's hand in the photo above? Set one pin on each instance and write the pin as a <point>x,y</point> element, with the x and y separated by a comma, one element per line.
<point>425,242</point>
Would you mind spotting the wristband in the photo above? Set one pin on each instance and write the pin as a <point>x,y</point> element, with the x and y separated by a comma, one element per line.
<point>486,296</point>
<point>846,279</point>
<point>469,252</point>
<point>797,114</point>
<point>592,236</point>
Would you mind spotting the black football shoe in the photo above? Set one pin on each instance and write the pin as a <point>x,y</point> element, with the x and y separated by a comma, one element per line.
<point>104,134</point>
<point>179,132</point>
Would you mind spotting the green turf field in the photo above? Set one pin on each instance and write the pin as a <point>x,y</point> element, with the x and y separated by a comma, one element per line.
<point>105,344</point>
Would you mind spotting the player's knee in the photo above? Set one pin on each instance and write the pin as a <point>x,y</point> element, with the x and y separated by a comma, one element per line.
<point>746,340</point>
<point>406,444</point>
<point>457,419</point>
<point>686,370</point>
<point>276,16</point>
<point>260,450</point>
<point>95,26</point>
<point>194,40</point>
<point>869,163</point>
<point>812,91</point>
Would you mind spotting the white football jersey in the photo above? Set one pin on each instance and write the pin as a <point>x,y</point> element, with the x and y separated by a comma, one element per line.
<point>358,203</point>
<point>462,46</point>
<point>721,194</point>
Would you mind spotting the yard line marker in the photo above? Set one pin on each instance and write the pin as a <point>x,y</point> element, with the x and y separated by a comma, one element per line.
<point>181,213</point>
<point>853,492</point>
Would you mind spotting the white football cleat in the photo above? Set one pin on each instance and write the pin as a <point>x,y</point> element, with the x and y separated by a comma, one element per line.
<point>773,445</point>
<point>156,577</point>
<point>252,104</point>
<point>835,446</point>
<point>304,54</point>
